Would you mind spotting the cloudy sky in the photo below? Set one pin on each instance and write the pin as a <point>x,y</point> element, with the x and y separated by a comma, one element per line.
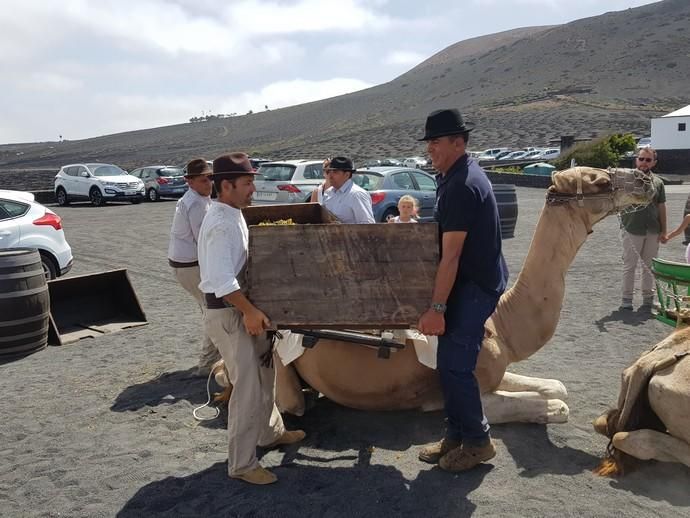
<point>82,68</point>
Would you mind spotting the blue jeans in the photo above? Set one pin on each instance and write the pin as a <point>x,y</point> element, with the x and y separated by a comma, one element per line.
<point>456,360</point>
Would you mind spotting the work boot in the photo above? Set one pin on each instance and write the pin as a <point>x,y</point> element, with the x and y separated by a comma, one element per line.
<point>288,437</point>
<point>626,305</point>
<point>647,305</point>
<point>467,457</point>
<point>259,476</point>
<point>433,452</point>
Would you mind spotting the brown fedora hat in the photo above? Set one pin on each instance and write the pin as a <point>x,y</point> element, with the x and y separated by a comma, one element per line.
<point>441,123</point>
<point>232,164</point>
<point>197,167</point>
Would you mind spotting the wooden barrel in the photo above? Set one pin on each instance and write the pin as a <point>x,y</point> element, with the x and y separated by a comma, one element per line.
<point>24,303</point>
<point>506,199</point>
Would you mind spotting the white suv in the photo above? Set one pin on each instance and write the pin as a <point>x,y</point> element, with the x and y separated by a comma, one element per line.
<point>415,162</point>
<point>27,224</point>
<point>97,183</point>
<point>290,181</point>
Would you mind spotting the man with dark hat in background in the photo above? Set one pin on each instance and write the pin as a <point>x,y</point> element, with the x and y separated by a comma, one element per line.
<point>182,251</point>
<point>348,201</point>
<point>236,326</point>
<point>470,278</point>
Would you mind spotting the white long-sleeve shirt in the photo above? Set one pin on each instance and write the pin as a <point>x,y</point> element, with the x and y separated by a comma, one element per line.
<point>184,234</point>
<point>350,203</point>
<point>223,246</point>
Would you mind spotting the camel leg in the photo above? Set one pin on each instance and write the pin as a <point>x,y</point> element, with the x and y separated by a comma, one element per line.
<point>289,395</point>
<point>547,388</point>
<point>650,444</point>
<point>523,407</point>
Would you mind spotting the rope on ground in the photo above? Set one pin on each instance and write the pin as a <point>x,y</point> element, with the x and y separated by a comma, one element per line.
<point>207,404</point>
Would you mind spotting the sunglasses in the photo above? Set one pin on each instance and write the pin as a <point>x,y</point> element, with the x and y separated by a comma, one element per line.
<point>645,159</point>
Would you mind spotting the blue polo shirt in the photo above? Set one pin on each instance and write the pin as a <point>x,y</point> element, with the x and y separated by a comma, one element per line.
<point>465,202</point>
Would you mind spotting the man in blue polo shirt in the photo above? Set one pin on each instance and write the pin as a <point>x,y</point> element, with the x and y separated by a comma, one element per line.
<point>470,278</point>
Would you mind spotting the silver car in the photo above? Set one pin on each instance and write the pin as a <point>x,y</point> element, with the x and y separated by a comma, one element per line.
<point>289,181</point>
<point>162,180</point>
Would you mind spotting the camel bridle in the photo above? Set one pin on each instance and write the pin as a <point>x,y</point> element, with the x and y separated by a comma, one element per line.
<point>632,181</point>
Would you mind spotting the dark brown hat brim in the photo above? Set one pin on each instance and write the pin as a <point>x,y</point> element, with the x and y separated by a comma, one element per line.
<point>232,174</point>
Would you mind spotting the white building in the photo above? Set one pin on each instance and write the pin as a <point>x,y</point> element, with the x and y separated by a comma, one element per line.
<point>671,139</point>
<point>672,131</point>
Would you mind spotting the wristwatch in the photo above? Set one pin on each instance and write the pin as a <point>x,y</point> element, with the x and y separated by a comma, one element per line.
<point>439,308</point>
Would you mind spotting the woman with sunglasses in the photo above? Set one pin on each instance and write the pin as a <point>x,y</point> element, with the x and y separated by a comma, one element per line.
<point>641,232</point>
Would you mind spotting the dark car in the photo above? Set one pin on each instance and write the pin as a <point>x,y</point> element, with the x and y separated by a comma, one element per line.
<point>162,180</point>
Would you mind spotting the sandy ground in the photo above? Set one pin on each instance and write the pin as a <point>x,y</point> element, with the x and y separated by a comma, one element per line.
<point>104,427</point>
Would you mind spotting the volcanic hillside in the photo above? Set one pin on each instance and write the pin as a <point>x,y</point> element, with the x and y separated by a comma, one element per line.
<point>520,87</point>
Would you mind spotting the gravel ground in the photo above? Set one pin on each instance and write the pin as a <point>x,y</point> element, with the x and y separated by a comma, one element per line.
<point>104,427</point>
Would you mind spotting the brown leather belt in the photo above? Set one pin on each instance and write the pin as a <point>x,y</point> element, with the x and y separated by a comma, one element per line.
<point>213,302</point>
<point>175,264</point>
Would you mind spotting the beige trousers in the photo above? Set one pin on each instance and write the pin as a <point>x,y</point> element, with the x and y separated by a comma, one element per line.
<point>638,249</point>
<point>189,279</point>
<point>253,418</point>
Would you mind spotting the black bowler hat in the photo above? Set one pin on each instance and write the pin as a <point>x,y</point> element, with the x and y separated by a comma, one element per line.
<point>232,165</point>
<point>341,163</point>
<point>441,123</point>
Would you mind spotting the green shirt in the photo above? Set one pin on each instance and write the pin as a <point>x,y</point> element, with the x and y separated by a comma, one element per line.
<point>646,221</point>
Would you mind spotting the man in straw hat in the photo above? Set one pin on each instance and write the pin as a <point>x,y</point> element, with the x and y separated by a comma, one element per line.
<point>470,278</point>
<point>182,253</point>
<point>238,327</point>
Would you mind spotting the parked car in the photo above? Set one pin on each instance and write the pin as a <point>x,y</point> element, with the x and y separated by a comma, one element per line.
<point>532,154</point>
<point>27,224</point>
<point>490,154</point>
<point>387,185</point>
<point>391,162</point>
<point>514,155</point>
<point>256,162</point>
<point>97,183</point>
<point>162,180</point>
<point>372,163</point>
<point>289,181</point>
<point>503,154</point>
<point>644,142</point>
<point>415,162</point>
<point>549,154</point>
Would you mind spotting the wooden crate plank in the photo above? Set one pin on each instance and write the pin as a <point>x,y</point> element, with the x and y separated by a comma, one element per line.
<point>358,276</point>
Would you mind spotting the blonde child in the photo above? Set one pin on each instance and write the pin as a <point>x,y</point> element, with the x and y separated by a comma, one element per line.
<point>407,207</point>
<point>678,231</point>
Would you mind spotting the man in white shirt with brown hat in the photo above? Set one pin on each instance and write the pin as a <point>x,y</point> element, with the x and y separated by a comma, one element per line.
<point>236,326</point>
<point>182,252</point>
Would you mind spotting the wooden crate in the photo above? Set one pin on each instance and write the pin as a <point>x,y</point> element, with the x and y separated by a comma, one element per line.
<point>324,275</point>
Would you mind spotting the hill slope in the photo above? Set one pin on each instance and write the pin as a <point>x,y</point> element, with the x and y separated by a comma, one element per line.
<point>520,87</point>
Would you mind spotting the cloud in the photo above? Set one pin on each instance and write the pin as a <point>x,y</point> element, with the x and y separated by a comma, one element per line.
<point>404,57</point>
<point>288,93</point>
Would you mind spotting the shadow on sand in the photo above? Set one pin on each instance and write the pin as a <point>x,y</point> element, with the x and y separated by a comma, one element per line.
<point>167,389</point>
<point>626,316</point>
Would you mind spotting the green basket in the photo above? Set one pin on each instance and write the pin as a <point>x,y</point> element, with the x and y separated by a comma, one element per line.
<point>673,290</point>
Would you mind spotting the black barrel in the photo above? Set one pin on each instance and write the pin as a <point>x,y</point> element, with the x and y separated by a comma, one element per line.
<point>24,303</point>
<point>506,199</point>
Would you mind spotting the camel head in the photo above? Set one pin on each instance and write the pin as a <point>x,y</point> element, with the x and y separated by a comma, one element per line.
<point>600,192</point>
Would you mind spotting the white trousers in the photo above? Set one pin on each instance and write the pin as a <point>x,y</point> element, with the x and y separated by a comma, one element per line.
<point>253,418</point>
<point>189,279</point>
<point>638,249</point>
